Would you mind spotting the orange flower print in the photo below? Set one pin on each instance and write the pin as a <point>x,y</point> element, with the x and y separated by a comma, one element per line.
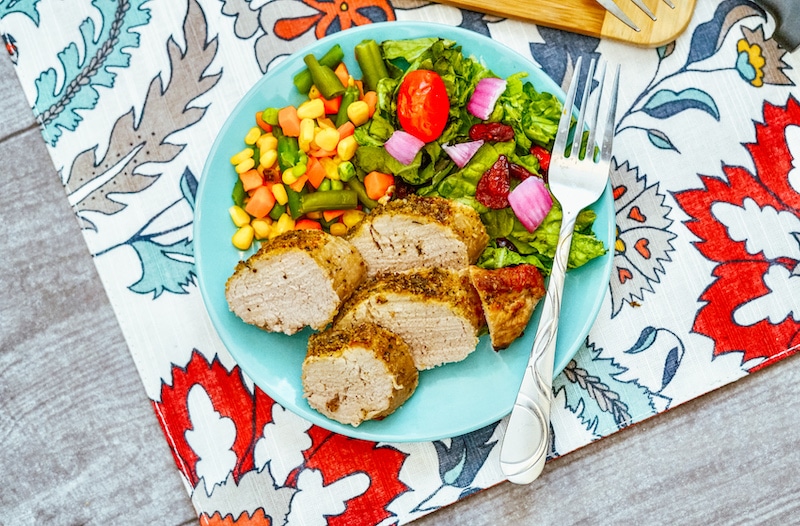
<point>333,16</point>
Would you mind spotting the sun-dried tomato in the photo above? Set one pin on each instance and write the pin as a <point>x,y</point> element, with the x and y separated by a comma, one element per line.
<point>519,172</point>
<point>491,131</point>
<point>494,185</point>
<point>544,159</point>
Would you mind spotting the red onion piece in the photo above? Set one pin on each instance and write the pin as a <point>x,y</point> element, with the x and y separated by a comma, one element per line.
<point>461,153</point>
<point>531,201</point>
<point>485,96</point>
<point>403,146</point>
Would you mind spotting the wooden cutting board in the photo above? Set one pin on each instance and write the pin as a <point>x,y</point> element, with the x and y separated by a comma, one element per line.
<point>589,18</point>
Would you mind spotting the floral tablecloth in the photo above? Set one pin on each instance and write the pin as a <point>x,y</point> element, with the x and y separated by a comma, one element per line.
<point>705,285</point>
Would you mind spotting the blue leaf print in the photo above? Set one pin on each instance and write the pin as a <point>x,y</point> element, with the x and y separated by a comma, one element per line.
<point>460,463</point>
<point>708,36</point>
<point>26,7</point>
<point>593,391</point>
<point>57,109</point>
<point>165,268</point>
<point>660,140</point>
<point>189,186</point>
<point>667,103</point>
<point>646,339</point>
<point>671,366</point>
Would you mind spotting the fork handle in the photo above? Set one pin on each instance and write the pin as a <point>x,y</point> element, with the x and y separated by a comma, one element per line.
<point>527,437</point>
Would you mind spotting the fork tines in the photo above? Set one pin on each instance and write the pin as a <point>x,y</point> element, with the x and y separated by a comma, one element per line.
<point>592,112</point>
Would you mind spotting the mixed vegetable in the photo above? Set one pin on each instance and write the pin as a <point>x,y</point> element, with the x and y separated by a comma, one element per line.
<point>423,119</point>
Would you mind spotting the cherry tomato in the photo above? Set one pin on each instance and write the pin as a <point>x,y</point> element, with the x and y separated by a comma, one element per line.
<point>423,105</point>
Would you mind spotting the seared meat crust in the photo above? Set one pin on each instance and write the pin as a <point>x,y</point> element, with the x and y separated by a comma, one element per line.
<point>360,373</point>
<point>508,296</point>
<point>436,311</point>
<point>418,232</point>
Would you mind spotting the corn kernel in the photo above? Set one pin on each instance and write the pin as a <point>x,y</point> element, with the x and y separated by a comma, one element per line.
<point>252,135</point>
<point>347,148</point>
<point>268,158</point>
<point>358,112</point>
<point>307,128</point>
<point>239,216</point>
<point>331,168</point>
<point>288,176</point>
<point>338,229</point>
<point>325,122</point>
<point>267,142</point>
<point>261,228</point>
<point>279,191</point>
<point>314,93</point>
<point>351,217</point>
<point>241,156</point>
<point>243,237</point>
<point>327,138</point>
<point>311,109</point>
<point>247,164</point>
<point>283,224</point>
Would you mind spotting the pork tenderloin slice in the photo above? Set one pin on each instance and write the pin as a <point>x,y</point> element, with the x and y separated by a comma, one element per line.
<point>298,279</point>
<point>435,311</point>
<point>508,296</point>
<point>360,373</point>
<point>418,232</point>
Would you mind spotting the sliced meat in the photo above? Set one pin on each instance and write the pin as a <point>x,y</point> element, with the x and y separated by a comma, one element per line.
<point>359,373</point>
<point>437,312</point>
<point>508,296</point>
<point>298,279</point>
<point>419,232</point>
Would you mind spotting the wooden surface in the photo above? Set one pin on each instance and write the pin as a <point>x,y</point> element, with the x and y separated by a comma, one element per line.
<point>590,18</point>
<point>81,444</point>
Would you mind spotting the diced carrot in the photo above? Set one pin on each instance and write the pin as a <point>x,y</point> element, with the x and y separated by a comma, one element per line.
<point>330,215</point>
<point>319,152</point>
<point>360,86</point>
<point>347,129</point>
<point>251,179</point>
<point>289,122</point>
<point>332,105</point>
<point>261,202</point>
<point>307,224</point>
<point>371,98</point>
<point>377,184</point>
<point>315,172</point>
<point>299,184</point>
<point>342,73</point>
<point>261,124</point>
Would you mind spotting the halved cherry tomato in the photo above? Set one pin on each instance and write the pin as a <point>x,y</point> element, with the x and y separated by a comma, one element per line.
<point>423,105</point>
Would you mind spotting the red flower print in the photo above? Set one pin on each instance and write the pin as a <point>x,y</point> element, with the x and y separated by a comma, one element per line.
<point>748,225</point>
<point>333,16</point>
<point>338,456</point>
<point>249,411</point>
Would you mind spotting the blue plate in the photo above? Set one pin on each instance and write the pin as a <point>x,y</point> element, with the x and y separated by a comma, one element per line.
<point>452,399</point>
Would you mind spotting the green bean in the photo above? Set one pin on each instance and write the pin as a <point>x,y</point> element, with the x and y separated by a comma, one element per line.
<point>324,78</point>
<point>358,187</point>
<point>331,58</point>
<point>330,200</point>
<point>370,60</point>
<point>349,97</point>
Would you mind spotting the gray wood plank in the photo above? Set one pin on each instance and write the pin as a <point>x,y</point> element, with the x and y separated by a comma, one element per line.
<point>81,443</point>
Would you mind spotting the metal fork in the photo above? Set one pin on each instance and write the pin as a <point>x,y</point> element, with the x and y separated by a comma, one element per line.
<point>576,183</point>
<point>615,10</point>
